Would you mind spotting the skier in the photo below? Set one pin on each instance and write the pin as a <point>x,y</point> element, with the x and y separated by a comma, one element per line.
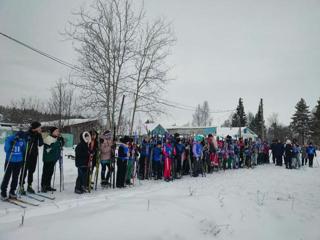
<point>123,156</point>
<point>53,144</point>
<point>94,150</point>
<point>144,158</point>
<point>197,154</point>
<point>212,147</point>
<point>278,151</point>
<point>81,161</point>
<point>157,158</point>
<point>14,147</point>
<point>131,159</point>
<point>288,153</point>
<point>34,139</point>
<point>168,152</point>
<point>180,149</point>
<point>311,152</point>
<point>106,157</point>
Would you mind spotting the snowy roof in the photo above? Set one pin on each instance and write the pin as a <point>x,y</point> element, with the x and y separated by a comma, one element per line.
<point>68,122</point>
<point>234,132</point>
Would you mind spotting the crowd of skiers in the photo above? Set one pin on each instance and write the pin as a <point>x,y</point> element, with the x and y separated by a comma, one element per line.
<point>101,159</point>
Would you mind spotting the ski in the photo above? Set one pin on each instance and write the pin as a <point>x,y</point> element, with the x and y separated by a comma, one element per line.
<point>34,198</point>
<point>25,202</point>
<point>44,196</point>
<point>12,201</point>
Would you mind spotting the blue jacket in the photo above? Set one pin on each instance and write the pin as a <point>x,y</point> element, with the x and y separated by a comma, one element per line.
<point>123,152</point>
<point>14,154</point>
<point>157,154</point>
<point>311,150</point>
<point>197,150</point>
<point>180,149</point>
<point>145,149</point>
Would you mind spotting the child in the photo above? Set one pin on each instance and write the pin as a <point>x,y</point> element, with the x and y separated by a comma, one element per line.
<point>81,161</point>
<point>14,147</point>
<point>53,144</point>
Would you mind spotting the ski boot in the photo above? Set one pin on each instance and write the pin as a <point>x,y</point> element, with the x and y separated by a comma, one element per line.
<point>12,195</point>
<point>22,191</point>
<point>4,196</point>
<point>30,190</point>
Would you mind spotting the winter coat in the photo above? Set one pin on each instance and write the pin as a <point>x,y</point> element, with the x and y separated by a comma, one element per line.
<point>123,152</point>
<point>34,140</point>
<point>180,149</point>
<point>145,149</point>
<point>311,150</point>
<point>197,149</point>
<point>157,154</point>
<point>279,149</point>
<point>52,148</point>
<point>168,151</point>
<point>288,151</point>
<point>82,153</point>
<point>14,154</point>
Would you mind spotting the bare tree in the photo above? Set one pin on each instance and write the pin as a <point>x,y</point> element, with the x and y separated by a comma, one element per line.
<point>105,39</point>
<point>61,101</point>
<point>151,71</point>
<point>202,117</point>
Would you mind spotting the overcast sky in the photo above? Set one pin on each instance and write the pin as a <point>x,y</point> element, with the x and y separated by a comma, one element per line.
<point>225,49</point>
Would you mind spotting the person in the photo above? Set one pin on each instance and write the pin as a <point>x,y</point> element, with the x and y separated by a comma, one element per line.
<point>131,159</point>
<point>14,147</point>
<point>157,158</point>
<point>81,161</point>
<point>34,140</point>
<point>53,144</point>
<point>273,150</point>
<point>144,158</point>
<point>106,157</point>
<point>94,150</point>
<point>311,152</point>
<point>197,150</point>
<point>304,154</point>
<point>168,153</point>
<point>288,153</point>
<point>180,149</point>
<point>279,151</point>
<point>123,156</point>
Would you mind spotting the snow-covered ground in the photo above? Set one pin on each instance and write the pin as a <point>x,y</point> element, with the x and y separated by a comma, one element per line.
<point>267,202</point>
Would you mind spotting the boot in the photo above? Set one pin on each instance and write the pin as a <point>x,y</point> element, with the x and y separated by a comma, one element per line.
<point>4,196</point>
<point>22,191</point>
<point>12,195</point>
<point>30,190</point>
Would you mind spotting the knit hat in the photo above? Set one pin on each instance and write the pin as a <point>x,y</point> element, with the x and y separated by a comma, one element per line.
<point>35,125</point>
<point>125,139</point>
<point>52,129</point>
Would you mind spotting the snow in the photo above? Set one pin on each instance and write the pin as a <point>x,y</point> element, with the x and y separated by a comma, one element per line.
<point>267,202</point>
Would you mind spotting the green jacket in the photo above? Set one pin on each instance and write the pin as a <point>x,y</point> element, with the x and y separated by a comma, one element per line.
<point>52,149</point>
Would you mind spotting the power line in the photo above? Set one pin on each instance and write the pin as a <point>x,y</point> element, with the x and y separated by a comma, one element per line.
<point>165,102</point>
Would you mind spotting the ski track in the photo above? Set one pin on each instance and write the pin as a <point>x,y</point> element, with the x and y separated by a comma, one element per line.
<point>267,202</point>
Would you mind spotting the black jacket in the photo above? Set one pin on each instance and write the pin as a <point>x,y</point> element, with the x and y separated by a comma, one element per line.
<point>288,150</point>
<point>82,153</point>
<point>34,139</point>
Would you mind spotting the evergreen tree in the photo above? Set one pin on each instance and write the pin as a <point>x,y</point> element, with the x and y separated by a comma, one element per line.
<point>300,124</point>
<point>258,124</point>
<point>239,119</point>
<point>315,124</point>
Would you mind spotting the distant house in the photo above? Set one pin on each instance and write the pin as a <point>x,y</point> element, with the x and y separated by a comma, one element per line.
<point>72,128</point>
<point>234,132</point>
<point>222,132</point>
<point>187,131</point>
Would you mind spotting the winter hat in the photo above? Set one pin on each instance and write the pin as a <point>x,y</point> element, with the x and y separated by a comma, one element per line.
<point>288,142</point>
<point>52,129</point>
<point>125,139</point>
<point>107,135</point>
<point>35,125</point>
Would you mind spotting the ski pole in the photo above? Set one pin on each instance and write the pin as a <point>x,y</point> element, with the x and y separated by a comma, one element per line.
<point>54,177</point>
<point>38,168</point>
<point>24,167</point>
